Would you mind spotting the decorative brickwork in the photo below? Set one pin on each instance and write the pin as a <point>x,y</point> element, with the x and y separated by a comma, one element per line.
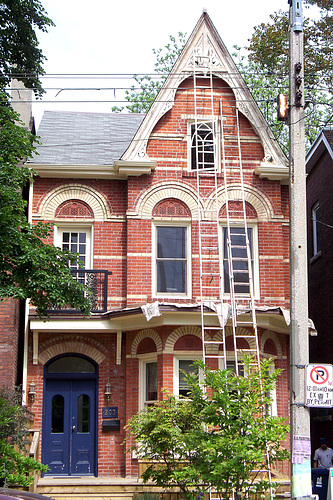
<point>236,210</point>
<point>178,333</point>
<point>149,333</point>
<point>188,343</point>
<point>255,198</point>
<point>171,208</point>
<point>74,208</point>
<point>239,331</point>
<point>268,335</point>
<point>71,347</point>
<point>162,191</point>
<point>91,197</point>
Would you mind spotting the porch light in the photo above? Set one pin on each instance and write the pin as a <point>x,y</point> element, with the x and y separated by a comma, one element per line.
<point>107,392</point>
<point>32,392</point>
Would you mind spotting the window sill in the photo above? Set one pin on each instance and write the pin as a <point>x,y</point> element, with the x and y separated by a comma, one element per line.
<point>315,257</point>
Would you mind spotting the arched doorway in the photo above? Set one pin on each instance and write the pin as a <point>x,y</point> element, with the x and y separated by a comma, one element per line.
<point>69,416</point>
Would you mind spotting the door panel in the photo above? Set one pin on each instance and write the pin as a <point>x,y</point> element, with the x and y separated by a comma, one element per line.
<point>68,445</point>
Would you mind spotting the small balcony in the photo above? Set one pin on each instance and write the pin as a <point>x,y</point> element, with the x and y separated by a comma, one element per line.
<point>96,281</point>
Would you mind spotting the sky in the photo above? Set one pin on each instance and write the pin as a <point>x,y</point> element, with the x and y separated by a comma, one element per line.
<point>108,37</point>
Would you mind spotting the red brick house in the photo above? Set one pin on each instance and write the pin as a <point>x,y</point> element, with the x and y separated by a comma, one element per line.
<point>121,190</point>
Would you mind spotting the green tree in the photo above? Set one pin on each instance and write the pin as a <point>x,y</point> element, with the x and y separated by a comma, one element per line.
<point>266,69</point>
<point>142,97</point>
<point>29,268</point>
<point>20,55</point>
<point>217,437</point>
<point>15,466</point>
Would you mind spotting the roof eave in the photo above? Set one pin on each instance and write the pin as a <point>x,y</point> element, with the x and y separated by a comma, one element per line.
<point>117,170</point>
<point>272,172</point>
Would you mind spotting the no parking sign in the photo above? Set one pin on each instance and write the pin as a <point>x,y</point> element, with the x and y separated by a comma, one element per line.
<point>319,386</point>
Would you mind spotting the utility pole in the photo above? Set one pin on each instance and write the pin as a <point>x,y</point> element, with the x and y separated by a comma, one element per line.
<point>299,336</point>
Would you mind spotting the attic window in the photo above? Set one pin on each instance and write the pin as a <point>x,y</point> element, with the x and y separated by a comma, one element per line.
<point>202,146</point>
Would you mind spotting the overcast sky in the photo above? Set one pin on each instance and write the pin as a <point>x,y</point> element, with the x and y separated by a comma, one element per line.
<point>117,37</point>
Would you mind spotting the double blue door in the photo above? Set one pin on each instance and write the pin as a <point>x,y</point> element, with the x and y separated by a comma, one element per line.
<point>68,443</point>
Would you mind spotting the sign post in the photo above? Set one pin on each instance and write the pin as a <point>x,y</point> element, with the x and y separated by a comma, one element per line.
<point>319,386</point>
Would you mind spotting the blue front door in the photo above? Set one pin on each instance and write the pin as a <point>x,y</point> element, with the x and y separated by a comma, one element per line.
<point>68,442</point>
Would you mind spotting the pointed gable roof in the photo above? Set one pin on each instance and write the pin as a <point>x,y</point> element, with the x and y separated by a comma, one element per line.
<point>205,39</point>
<point>323,141</point>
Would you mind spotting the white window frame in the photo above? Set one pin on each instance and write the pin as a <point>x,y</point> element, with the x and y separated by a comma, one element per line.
<point>272,409</point>
<point>176,359</point>
<point>192,122</point>
<point>255,257</point>
<point>315,228</point>
<point>188,283</point>
<point>61,228</point>
<point>144,359</point>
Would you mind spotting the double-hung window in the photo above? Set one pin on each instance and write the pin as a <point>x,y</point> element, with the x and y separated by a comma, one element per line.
<point>202,146</point>
<point>239,261</point>
<point>148,383</point>
<point>76,240</point>
<point>181,366</point>
<point>171,260</point>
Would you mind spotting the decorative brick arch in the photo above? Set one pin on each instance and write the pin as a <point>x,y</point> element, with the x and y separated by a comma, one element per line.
<point>236,210</point>
<point>253,196</point>
<point>268,335</point>
<point>171,208</point>
<point>73,209</point>
<point>239,331</point>
<point>143,334</point>
<point>178,333</point>
<point>57,196</point>
<point>162,191</point>
<point>71,347</point>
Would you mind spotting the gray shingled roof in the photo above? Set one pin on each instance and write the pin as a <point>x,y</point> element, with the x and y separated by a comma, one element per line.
<point>72,138</point>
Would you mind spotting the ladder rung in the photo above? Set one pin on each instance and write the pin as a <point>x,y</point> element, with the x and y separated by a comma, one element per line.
<point>214,356</point>
<point>211,327</point>
<point>213,342</point>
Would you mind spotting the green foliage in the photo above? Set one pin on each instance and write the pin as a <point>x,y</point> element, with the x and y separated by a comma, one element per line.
<point>29,268</point>
<point>15,466</point>
<point>266,71</point>
<point>19,52</point>
<point>142,97</point>
<point>217,437</point>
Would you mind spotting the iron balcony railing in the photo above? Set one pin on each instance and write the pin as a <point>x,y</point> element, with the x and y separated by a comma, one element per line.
<point>96,281</point>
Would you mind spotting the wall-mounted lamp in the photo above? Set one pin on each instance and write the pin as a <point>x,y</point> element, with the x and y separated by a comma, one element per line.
<point>32,392</point>
<point>107,392</point>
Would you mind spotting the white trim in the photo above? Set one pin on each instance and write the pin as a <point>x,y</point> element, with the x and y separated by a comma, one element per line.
<point>216,142</point>
<point>272,410</point>
<point>79,226</point>
<point>187,225</point>
<point>181,357</point>
<point>144,359</point>
<point>315,239</point>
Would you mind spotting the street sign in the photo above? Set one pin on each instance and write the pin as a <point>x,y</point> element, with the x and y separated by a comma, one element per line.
<point>319,386</point>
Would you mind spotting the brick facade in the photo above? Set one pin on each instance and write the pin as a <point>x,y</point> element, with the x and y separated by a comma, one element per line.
<point>121,214</point>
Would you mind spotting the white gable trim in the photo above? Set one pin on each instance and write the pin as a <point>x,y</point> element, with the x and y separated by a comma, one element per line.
<point>205,39</point>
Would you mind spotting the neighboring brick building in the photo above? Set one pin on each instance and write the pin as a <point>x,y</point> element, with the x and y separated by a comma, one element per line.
<point>319,165</point>
<point>13,320</point>
<point>120,188</point>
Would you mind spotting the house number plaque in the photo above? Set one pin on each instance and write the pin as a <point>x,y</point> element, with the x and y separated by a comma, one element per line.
<point>110,412</point>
